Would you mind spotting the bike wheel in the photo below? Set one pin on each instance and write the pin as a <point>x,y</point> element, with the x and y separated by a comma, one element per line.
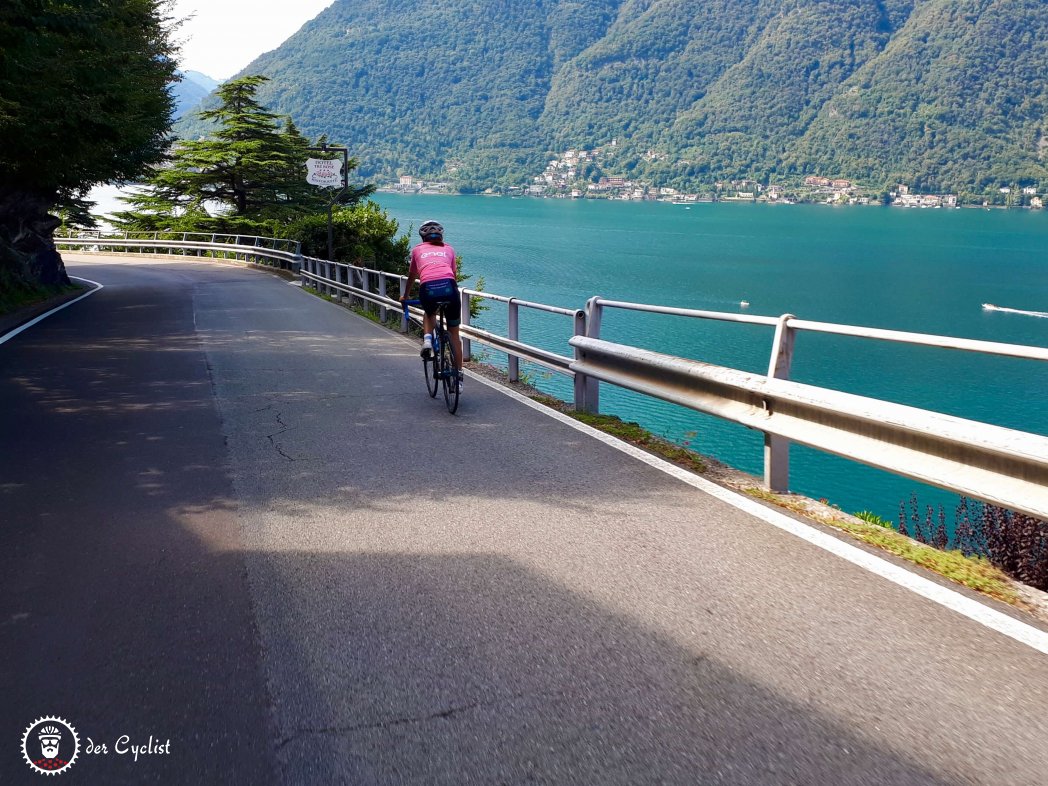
<point>429,365</point>
<point>449,377</point>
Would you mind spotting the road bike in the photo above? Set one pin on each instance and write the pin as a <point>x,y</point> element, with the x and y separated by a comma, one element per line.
<point>439,367</point>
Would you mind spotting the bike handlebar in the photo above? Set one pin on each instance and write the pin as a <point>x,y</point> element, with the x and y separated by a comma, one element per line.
<point>405,303</point>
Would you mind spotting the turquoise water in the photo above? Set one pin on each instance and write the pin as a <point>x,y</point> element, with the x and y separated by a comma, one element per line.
<point>925,271</point>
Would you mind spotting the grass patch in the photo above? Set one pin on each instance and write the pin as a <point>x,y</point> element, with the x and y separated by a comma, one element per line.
<point>636,435</point>
<point>15,298</point>
<point>973,572</point>
<point>363,311</point>
<point>872,518</point>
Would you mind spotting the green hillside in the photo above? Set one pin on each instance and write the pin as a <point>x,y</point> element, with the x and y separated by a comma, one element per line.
<point>942,94</point>
<point>958,98</point>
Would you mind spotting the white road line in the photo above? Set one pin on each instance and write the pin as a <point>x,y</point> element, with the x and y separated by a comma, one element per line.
<point>55,310</point>
<point>944,596</point>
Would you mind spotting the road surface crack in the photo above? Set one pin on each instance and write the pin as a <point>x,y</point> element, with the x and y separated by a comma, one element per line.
<point>450,712</point>
<point>283,428</point>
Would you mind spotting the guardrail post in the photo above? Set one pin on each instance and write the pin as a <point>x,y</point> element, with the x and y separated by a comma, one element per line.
<point>777,449</point>
<point>382,310</point>
<point>580,379</point>
<point>467,347</point>
<point>356,278</point>
<point>366,286</point>
<point>590,387</point>
<point>513,328</point>
<point>403,291</point>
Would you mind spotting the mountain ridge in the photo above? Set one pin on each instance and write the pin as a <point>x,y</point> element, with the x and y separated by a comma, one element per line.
<point>943,94</point>
<point>190,91</point>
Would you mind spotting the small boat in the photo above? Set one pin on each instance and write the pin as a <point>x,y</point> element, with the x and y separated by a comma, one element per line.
<point>744,303</point>
<point>989,306</point>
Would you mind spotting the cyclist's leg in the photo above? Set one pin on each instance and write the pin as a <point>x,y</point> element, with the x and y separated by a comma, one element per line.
<point>429,311</point>
<point>453,312</point>
<point>429,307</point>
<point>456,345</point>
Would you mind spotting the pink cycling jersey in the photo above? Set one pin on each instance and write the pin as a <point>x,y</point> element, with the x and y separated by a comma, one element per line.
<point>432,262</point>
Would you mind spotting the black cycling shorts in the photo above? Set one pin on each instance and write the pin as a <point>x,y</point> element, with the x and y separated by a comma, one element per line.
<point>444,290</point>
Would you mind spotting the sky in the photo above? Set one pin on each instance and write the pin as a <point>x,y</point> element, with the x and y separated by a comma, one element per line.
<point>225,35</point>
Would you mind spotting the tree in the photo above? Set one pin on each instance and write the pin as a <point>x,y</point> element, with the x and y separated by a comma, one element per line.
<point>83,100</point>
<point>249,176</point>
<point>364,235</point>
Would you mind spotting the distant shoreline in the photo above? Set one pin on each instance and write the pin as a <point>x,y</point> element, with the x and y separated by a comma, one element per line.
<point>722,200</point>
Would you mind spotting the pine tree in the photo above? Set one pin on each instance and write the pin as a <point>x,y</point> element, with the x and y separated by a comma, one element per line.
<point>250,176</point>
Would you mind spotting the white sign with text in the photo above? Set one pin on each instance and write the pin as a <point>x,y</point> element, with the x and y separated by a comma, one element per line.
<point>324,172</point>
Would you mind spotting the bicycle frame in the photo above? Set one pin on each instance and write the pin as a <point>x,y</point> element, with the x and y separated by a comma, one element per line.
<point>445,373</point>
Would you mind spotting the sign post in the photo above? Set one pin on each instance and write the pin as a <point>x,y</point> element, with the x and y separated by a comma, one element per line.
<point>329,173</point>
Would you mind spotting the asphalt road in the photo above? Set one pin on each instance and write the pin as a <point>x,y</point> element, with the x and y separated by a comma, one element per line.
<point>232,519</point>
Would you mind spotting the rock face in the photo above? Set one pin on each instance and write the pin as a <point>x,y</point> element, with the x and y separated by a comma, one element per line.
<point>28,257</point>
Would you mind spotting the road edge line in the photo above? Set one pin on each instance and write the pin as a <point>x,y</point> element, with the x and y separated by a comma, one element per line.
<point>55,310</point>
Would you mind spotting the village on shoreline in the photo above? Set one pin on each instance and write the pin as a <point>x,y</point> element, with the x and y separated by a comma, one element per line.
<point>571,176</point>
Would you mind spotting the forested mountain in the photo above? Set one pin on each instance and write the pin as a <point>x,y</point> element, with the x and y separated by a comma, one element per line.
<point>942,94</point>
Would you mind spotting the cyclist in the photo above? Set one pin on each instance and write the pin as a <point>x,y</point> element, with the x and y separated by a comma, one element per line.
<point>433,264</point>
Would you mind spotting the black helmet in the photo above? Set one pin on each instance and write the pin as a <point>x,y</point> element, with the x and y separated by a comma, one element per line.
<point>431,230</point>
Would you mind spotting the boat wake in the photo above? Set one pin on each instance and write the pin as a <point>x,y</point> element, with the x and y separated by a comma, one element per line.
<point>992,307</point>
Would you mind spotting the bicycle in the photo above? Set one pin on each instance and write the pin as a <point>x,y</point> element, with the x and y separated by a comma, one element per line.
<point>439,367</point>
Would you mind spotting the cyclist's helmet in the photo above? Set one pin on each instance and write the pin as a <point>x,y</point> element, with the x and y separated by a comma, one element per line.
<point>431,230</point>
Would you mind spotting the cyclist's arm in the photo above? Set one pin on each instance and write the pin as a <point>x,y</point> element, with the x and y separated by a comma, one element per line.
<point>412,275</point>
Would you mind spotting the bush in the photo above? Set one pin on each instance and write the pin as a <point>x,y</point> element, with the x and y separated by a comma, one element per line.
<point>1014,542</point>
<point>363,235</point>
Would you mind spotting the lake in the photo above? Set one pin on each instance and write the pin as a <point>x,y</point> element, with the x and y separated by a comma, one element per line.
<point>926,271</point>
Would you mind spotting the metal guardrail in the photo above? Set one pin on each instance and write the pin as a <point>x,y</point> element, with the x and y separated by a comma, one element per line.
<point>998,465</point>
<point>995,464</point>
<point>279,243</point>
<point>776,447</point>
<point>275,257</point>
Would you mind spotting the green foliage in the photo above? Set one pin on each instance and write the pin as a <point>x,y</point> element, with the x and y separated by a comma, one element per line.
<point>248,177</point>
<point>83,100</point>
<point>941,94</point>
<point>955,101</point>
<point>633,433</point>
<point>872,518</point>
<point>362,235</point>
<point>83,92</point>
<point>457,96</point>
